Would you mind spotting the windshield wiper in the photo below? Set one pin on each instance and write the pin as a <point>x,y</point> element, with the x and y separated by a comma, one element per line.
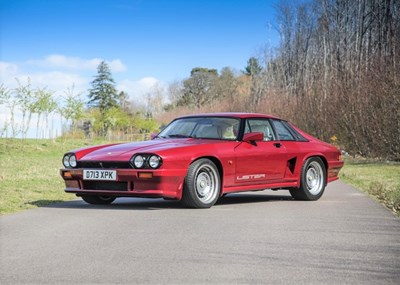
<point>179,136</point>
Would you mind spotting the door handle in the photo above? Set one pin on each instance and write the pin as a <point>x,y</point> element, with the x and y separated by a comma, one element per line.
<point>277,145</point>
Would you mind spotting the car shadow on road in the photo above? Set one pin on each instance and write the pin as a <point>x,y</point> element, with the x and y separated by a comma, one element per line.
<point>118,204</point>
<point>246,198</point>
<point>158,203</point>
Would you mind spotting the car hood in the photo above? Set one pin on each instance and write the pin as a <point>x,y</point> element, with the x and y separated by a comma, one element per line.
<point>124,152</point>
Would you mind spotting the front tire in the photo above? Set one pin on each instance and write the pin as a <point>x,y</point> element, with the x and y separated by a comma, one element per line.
<point>98,200</point>
<point>202,184</point>
<point>312,182</point>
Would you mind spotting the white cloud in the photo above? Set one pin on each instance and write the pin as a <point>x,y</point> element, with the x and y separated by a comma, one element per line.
<point>7,68</point>
<point>57,72</point>
<point>138,89</point>
<point>116,65</point>
<point>57,81</point>
<point>69,62</point>
<point>148,81</point>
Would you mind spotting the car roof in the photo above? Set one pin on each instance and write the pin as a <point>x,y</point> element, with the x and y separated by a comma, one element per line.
<point>232,114</point>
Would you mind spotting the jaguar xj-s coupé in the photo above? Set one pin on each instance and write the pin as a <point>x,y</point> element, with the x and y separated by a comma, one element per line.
<point>199,158</point>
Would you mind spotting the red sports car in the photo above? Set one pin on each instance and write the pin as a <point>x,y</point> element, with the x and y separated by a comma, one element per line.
<point>199,158</point>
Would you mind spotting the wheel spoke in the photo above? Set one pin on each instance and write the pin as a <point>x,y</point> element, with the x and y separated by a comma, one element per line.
<point>206,183</point>
<point>314,178</point>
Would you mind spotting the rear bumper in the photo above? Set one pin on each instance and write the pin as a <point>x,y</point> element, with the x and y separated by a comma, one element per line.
<point>334,169</point>
<point>164,183</point>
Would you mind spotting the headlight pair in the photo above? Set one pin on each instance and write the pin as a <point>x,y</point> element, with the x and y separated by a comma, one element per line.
<point>146,161</point>
<point>69,160</point>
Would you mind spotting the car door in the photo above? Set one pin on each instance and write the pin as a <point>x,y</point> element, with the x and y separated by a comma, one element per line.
<point>262,161</point>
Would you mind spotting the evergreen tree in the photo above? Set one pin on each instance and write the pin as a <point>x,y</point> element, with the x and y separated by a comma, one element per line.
<point>253,67</point>
<point>103,93</point>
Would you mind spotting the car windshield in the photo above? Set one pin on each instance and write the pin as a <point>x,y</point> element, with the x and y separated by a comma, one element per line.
<point>219,128</point>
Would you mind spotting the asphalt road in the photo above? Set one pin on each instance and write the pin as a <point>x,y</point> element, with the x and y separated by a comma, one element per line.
<point>260,237</point>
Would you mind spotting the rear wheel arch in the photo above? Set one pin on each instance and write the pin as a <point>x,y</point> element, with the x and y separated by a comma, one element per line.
<point>313,179</point>
<point>326,166</point>
<point>324,160</point>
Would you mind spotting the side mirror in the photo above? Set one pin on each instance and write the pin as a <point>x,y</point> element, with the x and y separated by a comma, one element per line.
<point>253,137</point>
<point>153,136</point>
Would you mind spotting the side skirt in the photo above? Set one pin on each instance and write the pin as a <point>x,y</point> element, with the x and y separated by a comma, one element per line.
<point>254,187</point>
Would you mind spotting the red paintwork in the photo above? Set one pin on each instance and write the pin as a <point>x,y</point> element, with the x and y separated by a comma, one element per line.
<point>266,164</point>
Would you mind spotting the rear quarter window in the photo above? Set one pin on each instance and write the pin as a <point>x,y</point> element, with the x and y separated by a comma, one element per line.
<point>282,131</point>
<point>296,134</point>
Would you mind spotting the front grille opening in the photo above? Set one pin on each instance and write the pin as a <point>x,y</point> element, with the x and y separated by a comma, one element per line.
<point>105,164</point>
<point>105,185</point>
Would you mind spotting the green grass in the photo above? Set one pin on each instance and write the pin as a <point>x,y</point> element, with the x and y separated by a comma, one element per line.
<point>29,172</point>
<point>381,180</point>
<point>29,175</point>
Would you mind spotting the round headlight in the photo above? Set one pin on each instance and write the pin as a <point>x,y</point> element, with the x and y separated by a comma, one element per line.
<point>138,161</point>
<point>72,161</point>
<point>154,161</point>
<point>66,161</point>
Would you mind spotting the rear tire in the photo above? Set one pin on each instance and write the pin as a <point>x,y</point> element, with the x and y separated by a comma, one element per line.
<point>98,200</point>
<point>202,184</point>
<point>312,181</point>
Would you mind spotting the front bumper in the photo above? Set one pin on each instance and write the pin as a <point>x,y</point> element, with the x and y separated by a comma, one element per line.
<point>129,183</point>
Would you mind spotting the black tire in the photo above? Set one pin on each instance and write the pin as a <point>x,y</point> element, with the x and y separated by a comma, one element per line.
<point>202,184</point>
<point>312,181</point>
<point>98,200</point>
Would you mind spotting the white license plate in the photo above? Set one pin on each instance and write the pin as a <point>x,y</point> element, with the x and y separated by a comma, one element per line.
<point>108,175</point>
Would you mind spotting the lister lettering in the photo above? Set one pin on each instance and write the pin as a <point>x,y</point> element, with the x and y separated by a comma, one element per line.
<point>250,177</point>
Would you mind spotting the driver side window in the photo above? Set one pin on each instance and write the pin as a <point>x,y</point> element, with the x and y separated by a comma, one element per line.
<point>262,126</point>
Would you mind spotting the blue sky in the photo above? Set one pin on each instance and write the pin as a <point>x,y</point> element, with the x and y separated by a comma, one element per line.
<point>60,42</point>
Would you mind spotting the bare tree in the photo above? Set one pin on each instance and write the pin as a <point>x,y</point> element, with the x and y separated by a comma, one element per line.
<point>72,108</point>
<point>26,103</point>
<point>8,98</point>
<point>198,89</point>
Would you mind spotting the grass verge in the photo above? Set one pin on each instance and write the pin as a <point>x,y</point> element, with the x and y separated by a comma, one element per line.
<point>29,172</point>
<point>381,180</point>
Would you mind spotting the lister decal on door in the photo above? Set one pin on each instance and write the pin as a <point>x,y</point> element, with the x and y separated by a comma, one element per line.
<point>251,177</point>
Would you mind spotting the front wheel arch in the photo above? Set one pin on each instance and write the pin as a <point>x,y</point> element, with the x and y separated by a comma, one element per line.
<point>97,199</point>
<point>202,185</point>
<point>218,164</point>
